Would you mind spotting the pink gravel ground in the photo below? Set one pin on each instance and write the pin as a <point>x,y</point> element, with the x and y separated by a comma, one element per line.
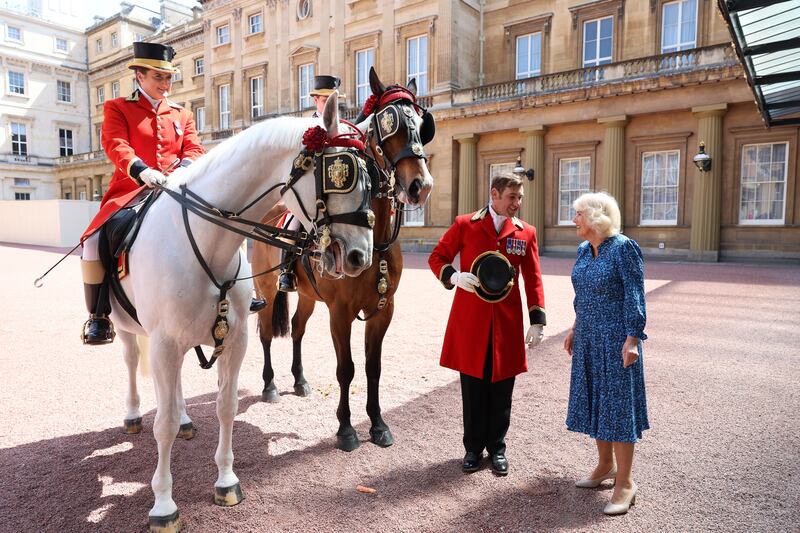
<point>722,378</point>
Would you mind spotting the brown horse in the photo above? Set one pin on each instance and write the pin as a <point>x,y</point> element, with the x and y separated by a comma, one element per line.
<point>398,155</point>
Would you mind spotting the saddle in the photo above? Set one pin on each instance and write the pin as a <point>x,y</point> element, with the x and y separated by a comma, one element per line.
<point>117,235</point>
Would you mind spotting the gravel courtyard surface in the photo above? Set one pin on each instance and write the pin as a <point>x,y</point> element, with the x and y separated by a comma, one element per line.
<point>722,375</point>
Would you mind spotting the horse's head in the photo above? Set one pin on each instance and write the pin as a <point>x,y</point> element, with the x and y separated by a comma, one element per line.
<point>397,131</point>
<point>340,217</point>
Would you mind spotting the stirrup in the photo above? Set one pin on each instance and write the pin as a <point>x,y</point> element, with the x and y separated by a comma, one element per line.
<point>107,336</point>
<point>287,282</point>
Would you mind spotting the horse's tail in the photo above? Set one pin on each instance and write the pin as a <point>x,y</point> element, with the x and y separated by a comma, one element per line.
<point>280,315</point>
<point>143,343</point>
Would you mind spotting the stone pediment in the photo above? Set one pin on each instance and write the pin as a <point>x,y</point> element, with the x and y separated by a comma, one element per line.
<point>304,49</point>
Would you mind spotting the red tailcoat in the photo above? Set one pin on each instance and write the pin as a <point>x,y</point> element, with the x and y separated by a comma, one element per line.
<point>134,137</point>
<point>471,318</point>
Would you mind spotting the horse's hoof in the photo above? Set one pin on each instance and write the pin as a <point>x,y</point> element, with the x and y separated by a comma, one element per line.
<point>270,394</point>
<point>381,437</point>
<point>302,389</point>
<point>187,431</point>
<point>228,496</point>
<point>347,442</point>
<point>132,426</point>
<point>165,524</point>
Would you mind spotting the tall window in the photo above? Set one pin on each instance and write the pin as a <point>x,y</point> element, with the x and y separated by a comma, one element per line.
<point>573,180</point>
<point>16,82</point>
<point>64,90</point>
<point>679,26</point>
<point>101,94</point>
<point>224,107</point>
<point>529,55</point>
<point>497,169</point>
<point>660,171</point>
<point>365,60</point>
<point>13,34</point>
<point>114,39</point>
<point>305,80</point>
<point>597,41</point>
<point>65,142</point>
<point>115,89</point>
<point>763,197</point>
<point>200,118</point>
<point>199,66</point>
<point>417,62</point>
<point>138,37</point>
<point>223,34</point>
<point>98,46</point>
<point>61,44</point>
<point>254,23</point>
<point>256,96</point>
<point>19,139</point>
<point>22,196</point>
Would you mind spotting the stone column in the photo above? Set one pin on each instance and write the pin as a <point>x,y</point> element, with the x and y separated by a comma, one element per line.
<point>239,97</point>
<point>706,198</point>
<point>467,172</point>
<point>533,203</point>
<point>97,185</point>
<point>613,177</point>
<point>74,188</point>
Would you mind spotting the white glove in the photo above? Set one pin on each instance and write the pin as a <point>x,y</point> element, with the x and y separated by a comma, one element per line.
<point>152,177</point>
<point>535,335</point>
<point>466,280</point>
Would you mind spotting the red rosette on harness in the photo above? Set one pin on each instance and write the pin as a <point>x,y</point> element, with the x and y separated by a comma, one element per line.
<point>315,139</point>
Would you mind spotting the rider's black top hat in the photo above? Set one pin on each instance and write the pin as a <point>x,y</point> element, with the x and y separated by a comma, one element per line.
<point>325,85</point>
<point>155,56</point>
<point>496,276</point>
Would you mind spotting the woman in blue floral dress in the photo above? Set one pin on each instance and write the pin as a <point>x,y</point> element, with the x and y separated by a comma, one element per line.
<point>607,396</point>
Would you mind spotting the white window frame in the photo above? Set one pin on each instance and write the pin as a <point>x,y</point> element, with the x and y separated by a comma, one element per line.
<point>21,149</point>
<point>60,85</point>
<point>200,119</point>
<point>11,85</point>
<point>530,72</point>
<point>138,37</point>
<point>223,34</point>
<point>256,96</point>
<point>305,80</point>
<point>419,74</point>
<point>224,93</point>
<point>98,46</point>
<point>660,183</point>
<point>496,169</point>
<point>56,46</point>
<point>572,192</point>
<point>199,66</point>
<point>365,59</point>
<point>597,61</point>
<point>772,163</point>
<point>114,89</point>
<point>22,182</point>
<point>13,39</point>
<point>101,94</point>
<point>22,196</point>
<point>680,45</point>
<point>303,9</point>
<point>66,144</point>
<point>177,75</point>
<point>114,39</point>
<point>414,215</point>
<point>255,24</point>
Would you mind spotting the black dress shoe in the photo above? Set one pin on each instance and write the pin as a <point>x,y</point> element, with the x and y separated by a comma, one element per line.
<point>287,282</point>
<point>257,304</point>
<point>471,462</point>
<point>499,464</point>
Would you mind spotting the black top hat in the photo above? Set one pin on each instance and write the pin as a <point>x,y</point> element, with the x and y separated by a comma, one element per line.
<point>155,56</point>
<point>325,85</point>
<point>496,276</point>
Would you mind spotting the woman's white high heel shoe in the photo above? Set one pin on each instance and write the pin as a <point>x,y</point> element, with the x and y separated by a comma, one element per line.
<point>589,483</point>
<point>622,508</point>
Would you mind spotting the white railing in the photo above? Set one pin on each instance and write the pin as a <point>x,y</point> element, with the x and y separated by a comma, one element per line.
<point>81,158</point>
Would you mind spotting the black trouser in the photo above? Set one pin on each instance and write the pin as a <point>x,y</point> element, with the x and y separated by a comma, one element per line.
<point>487,409</point>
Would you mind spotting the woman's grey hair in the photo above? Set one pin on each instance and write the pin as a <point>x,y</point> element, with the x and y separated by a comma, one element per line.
<point>601,211</point>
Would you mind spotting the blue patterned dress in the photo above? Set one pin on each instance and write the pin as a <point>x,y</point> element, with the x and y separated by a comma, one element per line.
<point>607,401</point>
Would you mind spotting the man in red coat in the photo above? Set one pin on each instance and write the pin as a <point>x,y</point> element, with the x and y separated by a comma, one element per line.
<point>484,336</point>
<point>145,136</point>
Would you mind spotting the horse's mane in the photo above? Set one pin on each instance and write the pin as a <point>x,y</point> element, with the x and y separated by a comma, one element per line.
<point>281,133</point>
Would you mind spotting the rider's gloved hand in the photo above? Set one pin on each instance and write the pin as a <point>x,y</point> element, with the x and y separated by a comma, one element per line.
<point>152,177</point>
<point>466,280</point>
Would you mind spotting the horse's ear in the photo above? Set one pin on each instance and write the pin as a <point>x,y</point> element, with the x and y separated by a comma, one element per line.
<point>412,86</point>
<point>330,115</point>
<point>375,84</point>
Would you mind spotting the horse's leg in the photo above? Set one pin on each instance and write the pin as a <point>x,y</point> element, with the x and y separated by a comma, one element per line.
<point>373,344</point>
<point>305,308</point>
<point>187,430</point>
<point>166,362</point>
<point>227,491</point>
<point>346,437</point>
<point>265,333</point>
<point>132,423</point>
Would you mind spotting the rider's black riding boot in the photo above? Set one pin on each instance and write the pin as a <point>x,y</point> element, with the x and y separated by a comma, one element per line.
<point>257,304</point>
<point>287,281</point>
<point>98,329</point>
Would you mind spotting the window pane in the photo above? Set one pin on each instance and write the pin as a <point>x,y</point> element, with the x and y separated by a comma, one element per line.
<point>605,48</point>
<point>605,28</point>
<point>590,31</point>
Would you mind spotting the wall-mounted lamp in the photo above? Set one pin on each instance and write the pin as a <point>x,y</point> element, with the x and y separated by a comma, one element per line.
<point>702,160</point>
<point>520,170</point>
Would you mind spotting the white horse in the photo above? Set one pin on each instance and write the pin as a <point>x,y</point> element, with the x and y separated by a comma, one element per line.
<point>176,302</point>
